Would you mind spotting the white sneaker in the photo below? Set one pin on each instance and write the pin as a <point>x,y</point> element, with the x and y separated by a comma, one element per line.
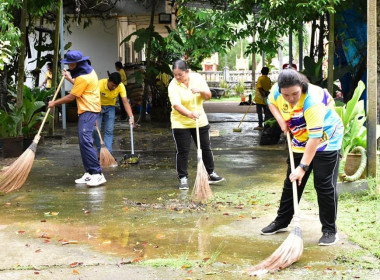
<point>96,180</point>
<point>84,179</point>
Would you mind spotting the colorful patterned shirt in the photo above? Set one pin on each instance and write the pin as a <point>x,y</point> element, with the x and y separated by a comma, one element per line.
<point>314,116</point>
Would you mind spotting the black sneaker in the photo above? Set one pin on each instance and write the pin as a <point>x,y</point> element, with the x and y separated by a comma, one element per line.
<point>183,184</point>
<point>328,238</point>
<point>273,228</point>
<point>214,178</point>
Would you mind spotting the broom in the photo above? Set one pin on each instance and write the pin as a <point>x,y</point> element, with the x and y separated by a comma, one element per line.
<point>13,177</point>
<point>238,129</point>
<point>106,158</point>
<point>291,249</point>
<point>201,191</point>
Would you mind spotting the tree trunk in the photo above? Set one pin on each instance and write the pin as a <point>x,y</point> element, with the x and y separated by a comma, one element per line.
<point>147,78</point>
<point>312,41</point>
<point>54,112</point>
<point>22,55</point>
<point>3,88</point>
<point>320,41</point>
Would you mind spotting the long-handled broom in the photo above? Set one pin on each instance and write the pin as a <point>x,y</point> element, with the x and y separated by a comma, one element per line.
<point>13,177</point>
<point>132,158</point>
<point>291,249</point>
<point>201,191</point>
<point>238,129</point>
<point>106,158</point>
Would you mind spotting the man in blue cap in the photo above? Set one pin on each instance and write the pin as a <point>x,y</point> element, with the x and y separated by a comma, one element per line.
<point>86,93</point>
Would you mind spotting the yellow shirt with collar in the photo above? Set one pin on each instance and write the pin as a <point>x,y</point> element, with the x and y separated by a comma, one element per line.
<point>108,97</point>
<point>179,94</point>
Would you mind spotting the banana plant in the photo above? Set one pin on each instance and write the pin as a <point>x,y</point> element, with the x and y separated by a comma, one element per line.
<point>353,116</point>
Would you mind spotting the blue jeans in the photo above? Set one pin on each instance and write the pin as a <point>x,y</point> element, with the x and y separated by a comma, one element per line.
<point>108,112</point>
<point>86,125</point>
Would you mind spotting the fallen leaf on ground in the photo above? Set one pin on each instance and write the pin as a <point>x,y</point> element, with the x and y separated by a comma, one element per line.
<point>160,236</point>
<point>76,272</point>
<point>185,266</point>
<point>20,232</point>
<point>38,251</point>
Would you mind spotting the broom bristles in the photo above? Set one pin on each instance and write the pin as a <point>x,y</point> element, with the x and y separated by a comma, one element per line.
<point>106,158</point>
<point>14,176</point>
<point>289,252</point>
<point>201,191</point>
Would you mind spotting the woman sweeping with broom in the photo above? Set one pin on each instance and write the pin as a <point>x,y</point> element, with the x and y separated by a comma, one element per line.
<point>86,92</point>
<point>184,90</point>
<point>307,111</point>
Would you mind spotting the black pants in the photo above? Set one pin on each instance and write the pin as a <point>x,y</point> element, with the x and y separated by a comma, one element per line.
<point>325,166</point>
<point>182,138</point>
<point>261,108</point>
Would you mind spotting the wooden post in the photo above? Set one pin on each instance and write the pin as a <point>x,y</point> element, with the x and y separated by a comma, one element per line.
<point>331,49</point>
<point>371,87</point>
<point>300,48</point>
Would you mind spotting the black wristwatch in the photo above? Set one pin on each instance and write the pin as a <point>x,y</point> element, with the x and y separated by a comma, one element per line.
<point>305,167</point>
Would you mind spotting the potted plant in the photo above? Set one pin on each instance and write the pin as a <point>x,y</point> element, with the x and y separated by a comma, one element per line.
<point>16,124</point>
<point>10,132</point>
<point>355,135</point>
<point>226,87</point>
<point>239,89</point>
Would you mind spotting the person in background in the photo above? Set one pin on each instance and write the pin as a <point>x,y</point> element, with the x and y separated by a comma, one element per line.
<point>48,76</point>
<point>307,112</point>
<point>263,86</point>
<point>183,120</point>
<point>123,75</point>
<point>110,89</point>
<point>86,93</point>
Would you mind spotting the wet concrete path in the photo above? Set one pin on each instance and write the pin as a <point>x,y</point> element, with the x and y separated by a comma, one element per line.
<point>54,229</point>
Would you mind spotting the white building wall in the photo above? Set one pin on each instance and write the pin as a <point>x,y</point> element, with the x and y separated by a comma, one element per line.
<point>99,41</point>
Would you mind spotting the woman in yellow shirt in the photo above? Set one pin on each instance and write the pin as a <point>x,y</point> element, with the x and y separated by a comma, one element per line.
<point>183,120</point>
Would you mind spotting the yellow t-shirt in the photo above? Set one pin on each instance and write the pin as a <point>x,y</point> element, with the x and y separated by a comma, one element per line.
<point>123,76</point>
<point>86,90</point>
<point>179,94</point>
<point>265,83</point>
<point>108,97</point>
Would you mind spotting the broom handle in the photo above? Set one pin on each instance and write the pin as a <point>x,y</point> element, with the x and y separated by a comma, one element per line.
<point>37,137</point>
<point>132,146</point>
<point>100,135</point>
<point>197,129</point>
<point>245,114</point>
<point>294,183</point>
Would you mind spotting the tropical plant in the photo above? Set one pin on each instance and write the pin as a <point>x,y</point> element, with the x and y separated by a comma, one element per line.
<point>239,88</point>
<point>353,116</point>
<point>226,87</point>
<point>22,121</point>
